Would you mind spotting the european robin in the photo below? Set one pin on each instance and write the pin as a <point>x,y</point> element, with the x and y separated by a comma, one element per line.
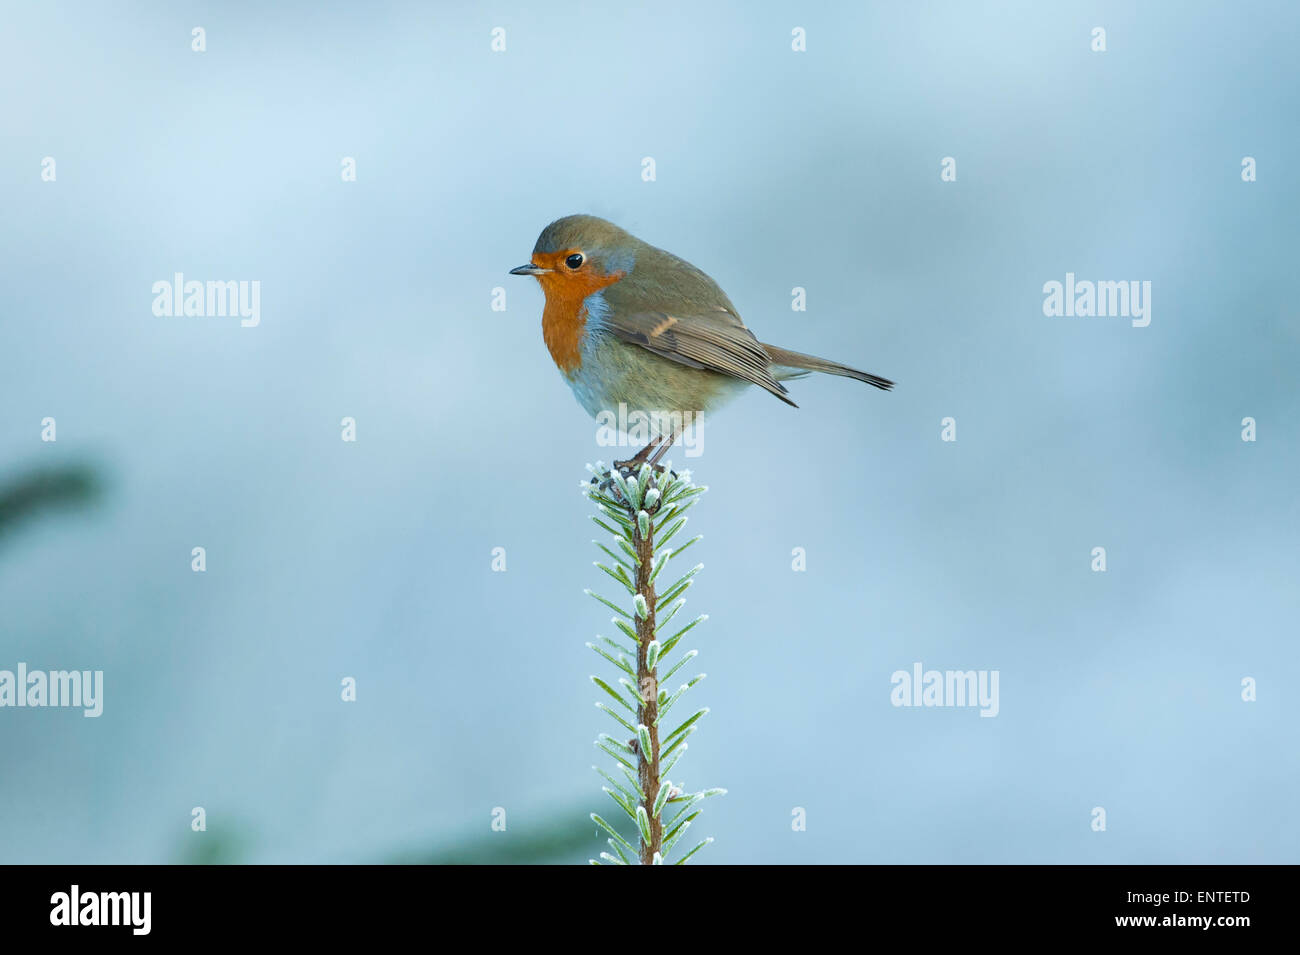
<point>630,324</point>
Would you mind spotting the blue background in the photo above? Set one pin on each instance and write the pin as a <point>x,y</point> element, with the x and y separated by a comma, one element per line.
<point>775,169</point>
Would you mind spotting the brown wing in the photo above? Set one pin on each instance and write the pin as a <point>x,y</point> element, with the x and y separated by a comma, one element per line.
<point>717,341</point>
<point>672,308</point>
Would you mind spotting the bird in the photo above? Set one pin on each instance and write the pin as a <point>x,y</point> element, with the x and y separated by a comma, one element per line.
<point>630,324</point>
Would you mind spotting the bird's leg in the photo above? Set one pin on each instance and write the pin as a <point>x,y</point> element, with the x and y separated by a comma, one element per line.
<point>651,453</point>
<point>663,449</point>
<point>641,456</point>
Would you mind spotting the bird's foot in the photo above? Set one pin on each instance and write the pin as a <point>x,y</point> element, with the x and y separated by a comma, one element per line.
<point>633,466</point>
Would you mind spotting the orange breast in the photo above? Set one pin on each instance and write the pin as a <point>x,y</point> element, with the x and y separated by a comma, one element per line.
<point>562,323</point>
<point>565,316</point>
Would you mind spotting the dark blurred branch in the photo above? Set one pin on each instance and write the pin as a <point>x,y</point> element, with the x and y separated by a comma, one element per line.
<point>566,837</point>
<point>44,490</point>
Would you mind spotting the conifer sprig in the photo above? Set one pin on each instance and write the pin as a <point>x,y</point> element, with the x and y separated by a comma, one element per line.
<point>643,510</point>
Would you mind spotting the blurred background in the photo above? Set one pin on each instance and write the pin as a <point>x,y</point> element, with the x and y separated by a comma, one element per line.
<point>775,169</point>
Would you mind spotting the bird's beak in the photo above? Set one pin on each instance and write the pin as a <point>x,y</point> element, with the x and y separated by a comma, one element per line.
<point>529,269</point>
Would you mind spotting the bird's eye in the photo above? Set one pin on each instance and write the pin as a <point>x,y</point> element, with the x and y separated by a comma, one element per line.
<point>574,261</point>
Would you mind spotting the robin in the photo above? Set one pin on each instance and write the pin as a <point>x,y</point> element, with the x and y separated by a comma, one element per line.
<point>627,323</point>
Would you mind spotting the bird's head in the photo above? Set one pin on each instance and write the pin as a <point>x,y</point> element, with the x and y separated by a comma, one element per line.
<point>578,255</point>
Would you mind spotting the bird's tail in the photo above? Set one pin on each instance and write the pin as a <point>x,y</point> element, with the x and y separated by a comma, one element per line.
<point>792,359</point>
